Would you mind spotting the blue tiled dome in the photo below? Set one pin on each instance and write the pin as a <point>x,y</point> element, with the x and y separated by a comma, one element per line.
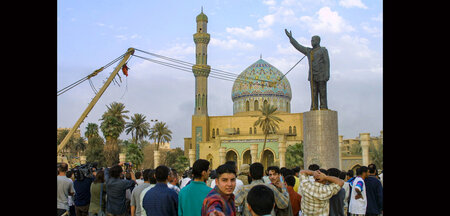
<point>248,83</point>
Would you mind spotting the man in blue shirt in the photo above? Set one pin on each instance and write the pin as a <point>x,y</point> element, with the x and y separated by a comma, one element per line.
<point>161,200</point>
<point>374,192</point>
<point>116,191</point>
<point>82,186</point>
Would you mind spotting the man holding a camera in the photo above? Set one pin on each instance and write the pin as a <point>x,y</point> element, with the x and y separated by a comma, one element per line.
<point>82,185</point>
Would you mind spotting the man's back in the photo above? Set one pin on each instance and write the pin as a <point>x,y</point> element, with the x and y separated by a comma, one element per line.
<point>315,196</point>
<point>374,194</point>
<point>136,197</point>
<point>64,187</point>
<point>160,200</point>
<point>190,199</point>
<point>116,195</point>
<point>337,204</point>
<point>83,191</point>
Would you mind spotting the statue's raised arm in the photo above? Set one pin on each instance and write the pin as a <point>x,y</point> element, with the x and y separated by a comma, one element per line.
<point>294,43</point>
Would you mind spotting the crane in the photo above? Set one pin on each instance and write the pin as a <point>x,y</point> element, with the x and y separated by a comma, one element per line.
<point>127,55</point>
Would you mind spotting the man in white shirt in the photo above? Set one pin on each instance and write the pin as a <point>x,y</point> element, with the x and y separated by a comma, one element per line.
<point>64,189</point>
<point>358,199</point>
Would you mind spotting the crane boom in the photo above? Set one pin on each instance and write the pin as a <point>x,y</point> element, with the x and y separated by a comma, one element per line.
<point>129,52</point>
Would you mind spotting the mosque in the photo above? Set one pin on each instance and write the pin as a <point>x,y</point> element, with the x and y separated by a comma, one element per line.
<point>222,138</point>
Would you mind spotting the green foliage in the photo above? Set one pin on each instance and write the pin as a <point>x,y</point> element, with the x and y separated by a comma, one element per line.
<point>94,151</point>
<point>134,154</point>
<point>91,130</point>
<point>181,163</point>
<point>294,155</point>
<point>268,121</point>
<point>172,155</point>
<point>160,132</point>
<point>376,155</point>
<point>113,124</point>
<point>138,127</point>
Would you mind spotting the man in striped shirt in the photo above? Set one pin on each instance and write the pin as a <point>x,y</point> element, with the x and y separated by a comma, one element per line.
<point>220,200</point>
<point>316,195</point>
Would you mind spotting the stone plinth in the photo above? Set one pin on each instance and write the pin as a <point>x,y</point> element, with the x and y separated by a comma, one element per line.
<point>122,157</point>
<point>365,142</point>
<point>321,141</point>
<point>191,157</point>
<point>156,156</point>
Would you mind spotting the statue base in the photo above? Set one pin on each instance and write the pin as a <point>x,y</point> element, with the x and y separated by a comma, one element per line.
<point>320,139</point>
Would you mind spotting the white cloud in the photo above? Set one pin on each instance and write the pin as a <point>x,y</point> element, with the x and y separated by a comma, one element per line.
<point>374,31</point>
<point>327,21</point>
<point>269,2</point>
<point>249,32</point>
<point>352,3</point>
<point>230,43</point>
<point>267,21</point>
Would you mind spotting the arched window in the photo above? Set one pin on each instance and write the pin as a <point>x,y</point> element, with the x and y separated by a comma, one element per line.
<point>265,102</point>
<point>250,130</point>
<point>217,131</point>
<point>247,106</point>
<point>295,130</point>
<point>254,129</point>
<point>237,131</point>
<point>256,104</point>
<point>290,129</point>
<point>203,100</point>
<point>213,133</point>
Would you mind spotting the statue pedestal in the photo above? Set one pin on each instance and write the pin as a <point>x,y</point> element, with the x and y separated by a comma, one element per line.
<point>320,139</point>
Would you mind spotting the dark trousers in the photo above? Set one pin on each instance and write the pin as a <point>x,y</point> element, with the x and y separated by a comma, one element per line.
<point>82,210</point>
<point>318,90</point>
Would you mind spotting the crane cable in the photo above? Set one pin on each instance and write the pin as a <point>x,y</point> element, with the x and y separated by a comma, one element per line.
<point>214,73</point>
<point>67,88</point>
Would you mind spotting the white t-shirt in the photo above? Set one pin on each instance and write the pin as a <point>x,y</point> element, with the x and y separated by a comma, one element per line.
<point>139,181</point>
<point>141,198</point>
<point>358,206</point>
<point>184,182</point>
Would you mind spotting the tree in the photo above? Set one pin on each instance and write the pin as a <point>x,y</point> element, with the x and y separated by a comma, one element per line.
<point>268,121</point>
<point>138,127</point>
<point>134,154</point>
<point>91,131</point>
<point>113,124</point>
<point>94,151</point>
<point>376,155</point>
<point>181,163</point>
<point>294,155</point>
<point>172,155</point>
<point>161,133</point>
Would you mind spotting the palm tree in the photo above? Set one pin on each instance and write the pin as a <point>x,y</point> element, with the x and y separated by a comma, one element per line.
<point>113,124</point>
<point>91,131</point>
<point>138,127</point>
<point>268,121</point>
<point>161,133</point>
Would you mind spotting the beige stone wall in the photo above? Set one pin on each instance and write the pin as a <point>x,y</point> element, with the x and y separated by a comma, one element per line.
<point>209,147</point>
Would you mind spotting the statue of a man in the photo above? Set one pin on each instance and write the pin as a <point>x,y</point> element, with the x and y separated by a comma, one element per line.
<point>319,69</point>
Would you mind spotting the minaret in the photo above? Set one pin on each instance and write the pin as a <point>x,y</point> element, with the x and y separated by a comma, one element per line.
<point>200,119</point>
<point>201,69</point>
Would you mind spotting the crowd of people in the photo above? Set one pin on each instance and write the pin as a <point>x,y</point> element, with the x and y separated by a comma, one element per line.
<point>249,191</point>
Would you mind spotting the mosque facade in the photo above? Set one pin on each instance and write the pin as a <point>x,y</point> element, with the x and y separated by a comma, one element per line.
<point>222,138</point>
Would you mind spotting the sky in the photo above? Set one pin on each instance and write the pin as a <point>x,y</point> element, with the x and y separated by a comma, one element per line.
<point>90,34</point>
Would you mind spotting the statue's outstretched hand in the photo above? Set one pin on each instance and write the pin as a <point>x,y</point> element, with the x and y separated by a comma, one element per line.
<point>288,33</point>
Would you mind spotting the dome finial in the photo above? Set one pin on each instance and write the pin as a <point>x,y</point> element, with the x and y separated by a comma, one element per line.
<point>260,56</point>
<point>202,9</point>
